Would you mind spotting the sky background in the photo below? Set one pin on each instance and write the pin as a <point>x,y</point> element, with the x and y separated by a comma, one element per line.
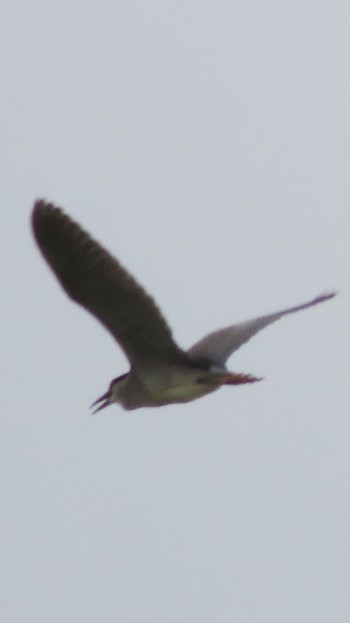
<point>206,144</point>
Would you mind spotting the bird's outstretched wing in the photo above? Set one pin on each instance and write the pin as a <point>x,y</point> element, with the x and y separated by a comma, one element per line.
<point>219,345</point>
<point>97,281</point>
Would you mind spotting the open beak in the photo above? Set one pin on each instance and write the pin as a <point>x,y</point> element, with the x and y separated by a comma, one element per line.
<point>104,400</point>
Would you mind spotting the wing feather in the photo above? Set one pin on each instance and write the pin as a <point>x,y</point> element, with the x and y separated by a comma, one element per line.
<point>97,281</point>
<point>219,345</point>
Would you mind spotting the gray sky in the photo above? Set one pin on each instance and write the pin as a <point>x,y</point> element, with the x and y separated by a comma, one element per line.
<point>205,143</point>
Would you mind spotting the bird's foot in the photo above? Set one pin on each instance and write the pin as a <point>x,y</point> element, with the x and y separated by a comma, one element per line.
<point>237,378</point>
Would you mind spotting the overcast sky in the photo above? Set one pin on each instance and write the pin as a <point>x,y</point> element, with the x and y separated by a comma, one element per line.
<point>206,144</point>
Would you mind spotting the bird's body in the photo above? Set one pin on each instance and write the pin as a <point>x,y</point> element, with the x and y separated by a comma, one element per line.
<point>156,387</point>
<point>161,372</point>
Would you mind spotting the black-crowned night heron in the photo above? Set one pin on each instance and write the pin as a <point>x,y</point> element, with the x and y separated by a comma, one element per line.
<point>160,373</point>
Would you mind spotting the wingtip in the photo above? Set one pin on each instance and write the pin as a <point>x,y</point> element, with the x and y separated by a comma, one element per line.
<point>41,206</point>
<point>326,296</point>
<point>41,210</point>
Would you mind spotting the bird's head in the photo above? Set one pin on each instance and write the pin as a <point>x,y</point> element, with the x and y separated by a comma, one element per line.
<point>113,393</point>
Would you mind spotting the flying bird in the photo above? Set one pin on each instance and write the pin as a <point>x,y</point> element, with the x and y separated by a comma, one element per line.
<point>160,372</point>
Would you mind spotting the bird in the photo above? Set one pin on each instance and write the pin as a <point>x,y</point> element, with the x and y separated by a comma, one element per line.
<point>161,373</point>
